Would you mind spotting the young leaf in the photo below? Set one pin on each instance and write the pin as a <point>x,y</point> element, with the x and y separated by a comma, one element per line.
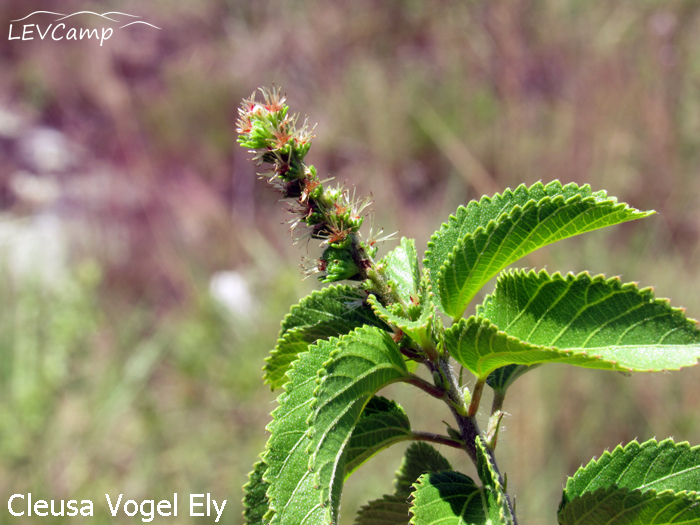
<point>419,458</point>
<point>383,423</point>
<point>482,253</point>
<point>401,268</point>
<point>614,506</point>
<point>363,362</point>
<point>451,498</point>
<point>292,492</point>
<point>255,501</point>
<point>499,511</point>
<point>389,510</point>
<point>330,312</point>
<point>581,320</point>
<point>417,329</point>
<point>649,466</point>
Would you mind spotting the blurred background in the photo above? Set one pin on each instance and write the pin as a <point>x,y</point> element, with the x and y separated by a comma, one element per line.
<point>145,269</point>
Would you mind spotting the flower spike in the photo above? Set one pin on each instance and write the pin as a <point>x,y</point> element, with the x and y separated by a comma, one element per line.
<point>332,215</point>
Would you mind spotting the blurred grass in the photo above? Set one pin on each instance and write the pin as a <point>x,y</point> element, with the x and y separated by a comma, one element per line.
<point>127,376</point>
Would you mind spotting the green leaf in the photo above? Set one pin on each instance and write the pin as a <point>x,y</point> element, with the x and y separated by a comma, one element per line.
<point>644,484</point>
<point>292,490</point>
<point>389,510</point>
<point>626,327</point>
<point>501,378</point>
<point>401,268</point>
<point>329,312</point>
<point>363,362</point>
<point>451,498</point>
<point>478,214</point>
<point>651,465</point>
<point>255,502</point>
<point>481,348</point>
<point>383,423</point>
<point>581,320</point>
<point>483,243</point>
<point>419,458</point>
<point>418,328</point>
<point>615,506</point>
<point>498,509</point>
<point>413,329</point>
<point>292,344</point>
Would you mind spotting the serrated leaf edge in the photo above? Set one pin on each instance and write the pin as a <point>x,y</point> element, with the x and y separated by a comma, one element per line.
<point>339,344</point>
<point>419,482</point>
<point>486,199</point>
<point>650,494</point>
<point>514,214</point>
<point>487,324</point>
<point>615,282</point>
<point>314,294</point>
<point>270,427</point>
<point>647,293</point>
<point>406,325</point>
<point>620,449</point>
<point>286,333</point>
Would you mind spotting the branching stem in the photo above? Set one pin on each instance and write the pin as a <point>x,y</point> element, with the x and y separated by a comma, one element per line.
<point>436,438</point>
<point>409,353</point>
<point>468,427</point>
<point>431,389</point>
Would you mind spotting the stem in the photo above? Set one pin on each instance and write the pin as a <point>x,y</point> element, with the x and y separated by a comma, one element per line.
<point>436,438</point>
<point>410,354</point>
<point>476,397</point>
<point>431,389</point>
<point>468,426</point>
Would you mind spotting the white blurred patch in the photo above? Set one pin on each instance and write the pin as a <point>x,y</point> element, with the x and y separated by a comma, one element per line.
<point>10,124</point>
<point>35,248</point>
<point>231,290</point>
<point>33,189</point>
<point>46,150</point>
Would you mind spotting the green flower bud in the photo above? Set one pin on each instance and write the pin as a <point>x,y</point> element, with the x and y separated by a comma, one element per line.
<point>314,218</point>
<point>343,243</point>
<point>370,249</point>
<point>396,309</point>
<point>355,223</point>
<point>316,192</point>
<point>334,194</point>
<point>339,265</point>
<point>414,310</point>
<point>303,149</point>
<point>332,214</point>
<point>259,137</point>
